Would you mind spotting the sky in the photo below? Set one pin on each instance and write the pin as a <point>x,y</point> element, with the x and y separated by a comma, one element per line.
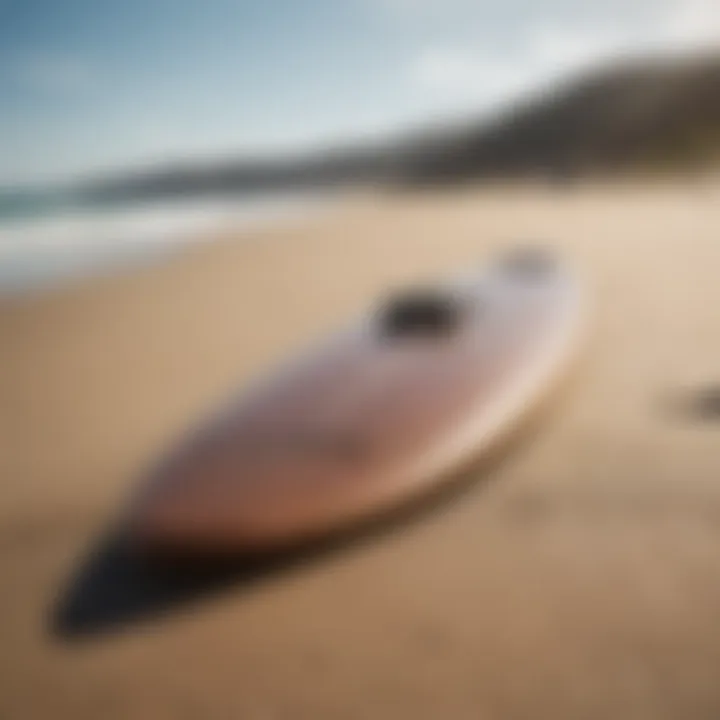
<point>91,86</point>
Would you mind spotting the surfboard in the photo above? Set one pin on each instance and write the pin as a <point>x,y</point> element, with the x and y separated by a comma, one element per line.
<point>378,414</point>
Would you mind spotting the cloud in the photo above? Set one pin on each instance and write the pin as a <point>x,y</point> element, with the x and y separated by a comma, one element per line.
<point>53,75</point>
<point>473,77</point>
<point>690,25</point>
<point>457,74</point>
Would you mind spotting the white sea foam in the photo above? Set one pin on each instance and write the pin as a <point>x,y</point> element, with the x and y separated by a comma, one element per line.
<point>48,250</point>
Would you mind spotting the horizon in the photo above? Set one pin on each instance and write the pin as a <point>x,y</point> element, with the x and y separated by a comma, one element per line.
<point>93,88</point>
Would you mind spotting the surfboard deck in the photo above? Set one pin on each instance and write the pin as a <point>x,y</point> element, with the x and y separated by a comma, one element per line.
<point>375,416</point>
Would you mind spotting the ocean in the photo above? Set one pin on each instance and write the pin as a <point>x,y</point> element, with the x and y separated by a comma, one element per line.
<point>51,243</point>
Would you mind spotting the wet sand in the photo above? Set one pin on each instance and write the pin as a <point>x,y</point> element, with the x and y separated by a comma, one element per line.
<point>579,578</point>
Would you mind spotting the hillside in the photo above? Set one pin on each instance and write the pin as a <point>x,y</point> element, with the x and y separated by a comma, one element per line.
<point>654,114</point>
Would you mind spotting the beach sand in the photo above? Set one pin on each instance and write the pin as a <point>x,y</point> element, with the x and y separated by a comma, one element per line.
<point>580,578</point>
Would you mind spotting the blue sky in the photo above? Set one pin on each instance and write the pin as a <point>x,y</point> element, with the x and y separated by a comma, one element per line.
<point>92,85</point>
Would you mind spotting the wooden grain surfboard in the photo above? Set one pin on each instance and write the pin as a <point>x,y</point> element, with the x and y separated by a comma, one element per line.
<point>375,416</point>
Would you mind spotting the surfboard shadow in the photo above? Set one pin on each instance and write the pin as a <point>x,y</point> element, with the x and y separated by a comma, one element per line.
<point>115,587</point>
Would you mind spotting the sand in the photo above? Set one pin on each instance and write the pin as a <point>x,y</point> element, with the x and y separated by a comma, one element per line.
<point>580,578</point>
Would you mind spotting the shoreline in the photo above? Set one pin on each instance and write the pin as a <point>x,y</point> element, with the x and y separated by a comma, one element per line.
<point>61,249</point>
